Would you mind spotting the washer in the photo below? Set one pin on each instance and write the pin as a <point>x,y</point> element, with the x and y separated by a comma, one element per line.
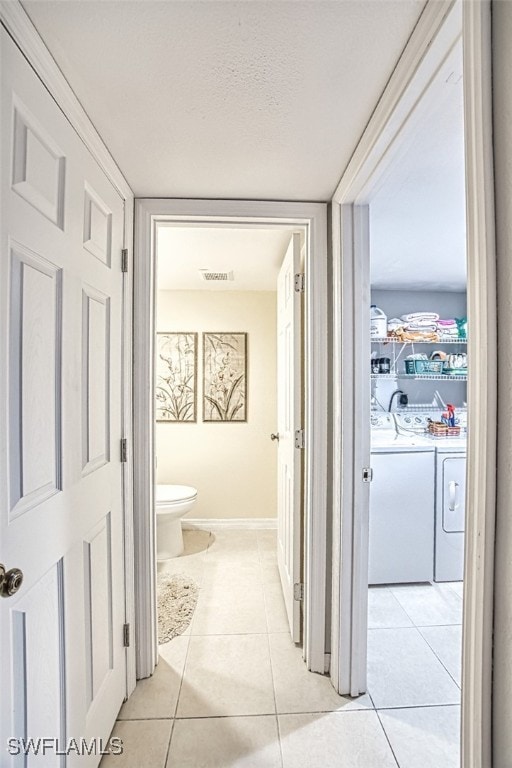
<point>401,505</point>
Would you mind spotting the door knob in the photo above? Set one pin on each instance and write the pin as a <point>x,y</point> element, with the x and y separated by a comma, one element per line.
<point>274,436</point>
<point>10,581</point>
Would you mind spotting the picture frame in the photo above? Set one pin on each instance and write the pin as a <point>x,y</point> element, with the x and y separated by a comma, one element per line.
<point>176,377</point>
<point>225,377</point>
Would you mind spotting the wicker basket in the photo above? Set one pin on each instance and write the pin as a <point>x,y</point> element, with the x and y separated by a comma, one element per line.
<point>439,429</point>
<point>414,367</point>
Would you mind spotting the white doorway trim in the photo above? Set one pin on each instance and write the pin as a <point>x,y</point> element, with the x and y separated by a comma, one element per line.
<point>312,219</point>
<point>437,31</point>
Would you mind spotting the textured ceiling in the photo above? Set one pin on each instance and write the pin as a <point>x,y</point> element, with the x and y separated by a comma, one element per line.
<point>258,100</point>
<point>418,216</point>
<point>253,255</point>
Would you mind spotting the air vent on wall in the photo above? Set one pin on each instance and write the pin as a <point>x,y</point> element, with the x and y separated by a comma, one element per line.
<point>208,274</point>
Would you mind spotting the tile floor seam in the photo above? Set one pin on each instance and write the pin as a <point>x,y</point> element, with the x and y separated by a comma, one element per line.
<point>182,679</point>
<point>273,686</point>
<point>425,626</point>
<point>222,717</point>
<point>272,674</point>
<point>387,738</point>
<point>438,657</point>
<point>403,608</point>
<point>168,751</point>
<point>418,706</point>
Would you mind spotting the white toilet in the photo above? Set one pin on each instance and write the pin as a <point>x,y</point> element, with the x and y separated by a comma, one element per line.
<point>171,502</point>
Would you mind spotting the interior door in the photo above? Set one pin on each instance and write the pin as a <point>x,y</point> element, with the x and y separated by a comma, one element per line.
<point>62,659</point>
<point>289,399</point>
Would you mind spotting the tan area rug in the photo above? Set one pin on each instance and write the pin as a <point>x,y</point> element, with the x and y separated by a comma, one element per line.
<point>176,601</point>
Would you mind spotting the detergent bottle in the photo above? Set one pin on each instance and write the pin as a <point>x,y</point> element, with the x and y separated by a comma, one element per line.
<point>378,322</point>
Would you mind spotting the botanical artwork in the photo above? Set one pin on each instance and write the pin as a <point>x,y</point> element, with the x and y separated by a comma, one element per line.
<point>224,377</point>
<point>176,377</point>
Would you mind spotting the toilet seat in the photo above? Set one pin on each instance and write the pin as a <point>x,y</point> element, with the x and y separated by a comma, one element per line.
<point>173,494</point>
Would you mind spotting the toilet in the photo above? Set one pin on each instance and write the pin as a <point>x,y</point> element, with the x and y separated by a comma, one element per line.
<point>171,503</point>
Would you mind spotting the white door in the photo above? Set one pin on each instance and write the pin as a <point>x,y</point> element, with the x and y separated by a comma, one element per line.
<point>289,398</point>
<point>62,660</point>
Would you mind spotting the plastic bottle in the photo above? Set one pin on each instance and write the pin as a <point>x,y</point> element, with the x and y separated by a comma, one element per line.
<point>378,322</point>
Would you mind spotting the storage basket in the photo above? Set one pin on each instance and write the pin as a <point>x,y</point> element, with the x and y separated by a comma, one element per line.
<point>439,429</point>
<point>423,366</point>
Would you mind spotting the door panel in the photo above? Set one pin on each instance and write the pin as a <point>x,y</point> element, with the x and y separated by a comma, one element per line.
<point>39,702</point>
<point>38,165</point>
<point>288,420</point>
<point>95,379</point>
<point>61,635</point>
<point>35,373</point>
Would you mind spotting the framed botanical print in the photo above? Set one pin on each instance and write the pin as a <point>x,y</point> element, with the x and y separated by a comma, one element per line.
<point>225,377</point>
<point>176,377</point>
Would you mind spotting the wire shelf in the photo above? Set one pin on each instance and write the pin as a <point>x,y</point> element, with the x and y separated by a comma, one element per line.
<point>390,340</point>
<point>421,376</point>
<point>431,376</point>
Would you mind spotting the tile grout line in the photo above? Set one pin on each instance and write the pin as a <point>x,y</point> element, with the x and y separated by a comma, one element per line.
<point>175,718</point>
<point>402,607</point>
<point>416,706</point>
<point>387,738</point>
<point>278,730</point>
<point>438,657</point>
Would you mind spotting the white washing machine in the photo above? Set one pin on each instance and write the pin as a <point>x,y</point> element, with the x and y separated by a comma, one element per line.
<point>401,504</point>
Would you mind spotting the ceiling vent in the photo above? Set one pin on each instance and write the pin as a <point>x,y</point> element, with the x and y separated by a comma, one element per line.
<point>208,274</point>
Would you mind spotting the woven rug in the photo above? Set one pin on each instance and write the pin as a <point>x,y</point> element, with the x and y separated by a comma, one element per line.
<point>177,599</point>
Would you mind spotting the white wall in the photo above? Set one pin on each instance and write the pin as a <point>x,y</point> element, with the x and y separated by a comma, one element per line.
<point>397,303</point>
<point>233,465</point>
<point>502,92</point>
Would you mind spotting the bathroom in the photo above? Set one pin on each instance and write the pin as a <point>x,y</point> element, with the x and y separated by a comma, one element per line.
<point>216,469</point>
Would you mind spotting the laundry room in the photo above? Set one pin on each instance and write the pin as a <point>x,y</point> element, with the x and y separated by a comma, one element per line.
<point>419,372</point>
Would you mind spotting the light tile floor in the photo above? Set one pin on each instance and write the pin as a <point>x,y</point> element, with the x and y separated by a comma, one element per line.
<point>233,691</point>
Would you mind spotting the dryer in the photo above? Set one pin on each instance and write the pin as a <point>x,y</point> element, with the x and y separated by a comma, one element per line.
<point>450,510</point>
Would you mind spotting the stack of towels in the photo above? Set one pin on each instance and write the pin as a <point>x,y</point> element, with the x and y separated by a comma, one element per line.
<point>423,326</point>
<point>447,330</point>
<point>416,326</point>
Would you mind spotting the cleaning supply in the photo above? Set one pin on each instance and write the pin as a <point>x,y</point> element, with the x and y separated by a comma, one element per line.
<point>378,323</point>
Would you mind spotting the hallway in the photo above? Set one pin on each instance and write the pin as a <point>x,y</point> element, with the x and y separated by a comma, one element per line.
<point>234,691</point>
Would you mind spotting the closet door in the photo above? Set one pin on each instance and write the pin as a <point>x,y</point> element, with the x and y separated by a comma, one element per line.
<point>62,660</point>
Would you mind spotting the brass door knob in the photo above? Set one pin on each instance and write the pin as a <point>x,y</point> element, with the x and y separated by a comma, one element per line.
<point>274,436</point>
<point>10,581</point>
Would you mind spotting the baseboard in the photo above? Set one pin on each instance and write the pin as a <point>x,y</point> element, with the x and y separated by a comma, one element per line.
<point>226,523</point>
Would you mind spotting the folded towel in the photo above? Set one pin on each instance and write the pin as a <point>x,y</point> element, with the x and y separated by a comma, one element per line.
<point>406,335</point>
<point>415,316</point>
<point>424,326</point>
<point>446,323</point>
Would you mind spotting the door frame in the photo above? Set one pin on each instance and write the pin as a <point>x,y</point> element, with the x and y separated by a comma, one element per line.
<point>438,26</point>
<point>21,29</point>
<point>312,219</point>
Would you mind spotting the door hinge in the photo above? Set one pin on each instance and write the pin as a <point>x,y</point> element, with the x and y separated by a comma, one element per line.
<point>367,474</point>
<point>124,450</point>
<point>299,438</point>
<point>126,635</point>
<point>298,591</point>
<point>124,260</point>
<point>300,283</point>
